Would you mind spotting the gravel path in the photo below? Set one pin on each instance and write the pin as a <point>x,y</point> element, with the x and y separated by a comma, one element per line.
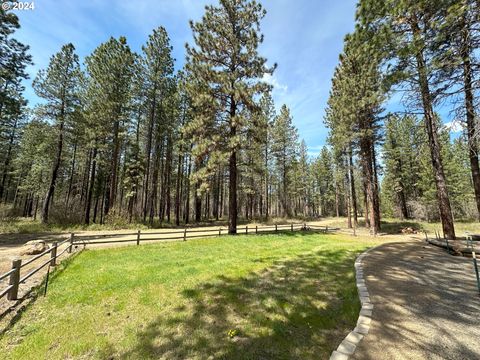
<point>426,304</point>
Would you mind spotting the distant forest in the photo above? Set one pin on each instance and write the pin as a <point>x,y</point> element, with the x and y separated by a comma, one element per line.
<point>122,137</point>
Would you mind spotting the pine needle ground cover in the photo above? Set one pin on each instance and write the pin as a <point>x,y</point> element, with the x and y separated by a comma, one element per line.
<point>285,296</point>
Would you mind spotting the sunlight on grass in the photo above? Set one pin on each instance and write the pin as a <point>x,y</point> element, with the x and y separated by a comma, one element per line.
<point>289,296</point>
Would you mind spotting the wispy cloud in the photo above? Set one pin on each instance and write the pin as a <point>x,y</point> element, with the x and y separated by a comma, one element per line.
<point>455,126</point>
<point>272,80</point>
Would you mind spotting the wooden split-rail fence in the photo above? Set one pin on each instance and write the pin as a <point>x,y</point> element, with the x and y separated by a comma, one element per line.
<point>468,249</point>
<point>50,256</point>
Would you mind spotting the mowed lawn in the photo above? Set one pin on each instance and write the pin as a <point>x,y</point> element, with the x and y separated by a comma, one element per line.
<point>285,296</point>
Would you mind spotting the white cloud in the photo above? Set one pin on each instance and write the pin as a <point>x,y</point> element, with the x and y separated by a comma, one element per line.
<point>455,126</point>
<point>272,80</point>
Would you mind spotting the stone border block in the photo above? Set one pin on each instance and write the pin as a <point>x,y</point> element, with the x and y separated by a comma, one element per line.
<point>348,346</point>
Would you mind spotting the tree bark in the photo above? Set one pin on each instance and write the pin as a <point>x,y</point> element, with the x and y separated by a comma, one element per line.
<point>232,164</point>
<point>177,189</point>
<point>153,193</point>
<point>376,187</point>
<point>187,188</point>
<point>470,115</point>
<point>266,183</point>
<point>347,201</point>
<point>112,191</point>
<point>90,187</point>
<point>148,153</point>
<point>434,144</point>
<point>232,191</point>
<point>72,173</point>
<point>56,166</point>
<point>168,178</point>
<point>352,187</point>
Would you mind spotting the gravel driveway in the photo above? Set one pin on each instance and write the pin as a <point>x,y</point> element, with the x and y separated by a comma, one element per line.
<point>426,304</point>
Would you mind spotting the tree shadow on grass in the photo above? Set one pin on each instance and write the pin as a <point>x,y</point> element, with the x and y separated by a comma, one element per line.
<point>295,309</point>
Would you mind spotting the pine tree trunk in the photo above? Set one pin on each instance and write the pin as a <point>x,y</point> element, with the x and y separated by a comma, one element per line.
<point>198,203</point>
<point>371,190</point>
<point>207,205</point>
<point>266,184</point>
<point>403,202</point>
<point>85,178</point>
<point>284,194</point>
<point>56,166</point>
<point>470,114</point>
<point>217,193</point>
<point>337,200</point>
<point>72,173</point>
<point>105,197</point>
<point>104,200</point>
<point>177,189</point>
<point>149,153</point>
<point>222,194</point>
<point>430,125</point>
<point>153,193</point>
<point>232,193</point>
<point>352,187</point>
<point>366,204</point>
<point>232,186</point>
<point>112,191</point>
<point>161,203</point>
<point>347,202</point>
<point>187,188</point>
<point>30,206</point>
<point>88,204</point>
<point>37,200</point>
<point>95,207</point>
<point>168,185</point>
<point>376,187</point>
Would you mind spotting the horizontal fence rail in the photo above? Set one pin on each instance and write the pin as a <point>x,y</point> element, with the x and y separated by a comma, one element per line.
<point>186,233</point>
<point>49,257</point>
<point>468,249</point>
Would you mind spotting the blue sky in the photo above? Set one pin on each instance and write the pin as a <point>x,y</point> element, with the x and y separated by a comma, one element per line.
<point>304,37</point>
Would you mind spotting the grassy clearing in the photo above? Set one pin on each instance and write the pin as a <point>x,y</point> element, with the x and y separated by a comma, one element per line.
<point>289,296</point>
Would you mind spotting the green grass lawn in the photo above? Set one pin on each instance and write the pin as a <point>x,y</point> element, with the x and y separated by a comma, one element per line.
<point>289,296</point>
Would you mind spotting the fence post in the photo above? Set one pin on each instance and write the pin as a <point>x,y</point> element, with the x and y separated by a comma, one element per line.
<point>326,229</point>
<point>70,247</point>
<point>138,237</point>
<point>185,235</point>
<point>14,280</point>
<point>220,232</point>
<point>246,229</point>
<point>291,227</point>
<point>448,245</point>
<point>53,254</point>
<point>256,229</point>
<point>276,228</point>
<point>474,258</point>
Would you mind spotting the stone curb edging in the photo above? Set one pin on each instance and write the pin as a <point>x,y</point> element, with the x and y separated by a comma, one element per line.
<point>348,346</point>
